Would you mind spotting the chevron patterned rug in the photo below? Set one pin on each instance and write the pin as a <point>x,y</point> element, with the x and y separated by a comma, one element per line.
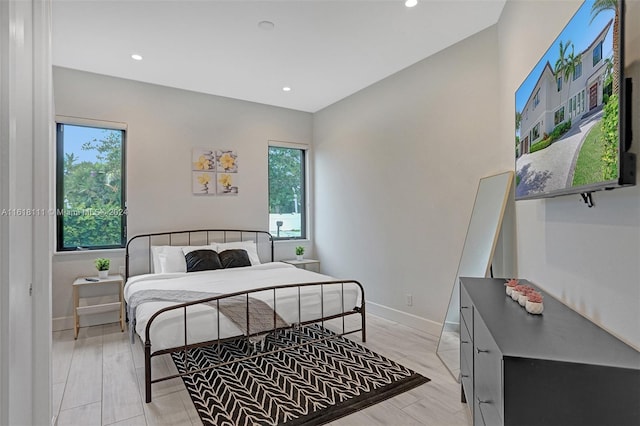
<point>308,385</point>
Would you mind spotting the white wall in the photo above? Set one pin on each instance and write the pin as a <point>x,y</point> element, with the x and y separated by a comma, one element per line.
<point>163,125</point>
<point>396,173</point>
<point>403,157</point>
<point>588,258</point>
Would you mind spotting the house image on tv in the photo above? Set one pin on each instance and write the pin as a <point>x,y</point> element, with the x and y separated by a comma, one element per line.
<point>555,100</point>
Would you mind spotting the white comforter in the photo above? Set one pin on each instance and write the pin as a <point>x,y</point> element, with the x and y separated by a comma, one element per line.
<point>167,330</point>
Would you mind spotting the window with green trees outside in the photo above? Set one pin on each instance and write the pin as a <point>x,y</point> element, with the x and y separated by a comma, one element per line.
<point>90,190</point>
<point>287,207</point>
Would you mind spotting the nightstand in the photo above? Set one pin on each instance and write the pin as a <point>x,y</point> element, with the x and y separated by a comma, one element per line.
<point>309,264</point>
<point>110,286</point>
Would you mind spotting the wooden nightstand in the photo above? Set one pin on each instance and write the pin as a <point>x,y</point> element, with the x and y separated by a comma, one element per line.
<point>110,286</point>
<point>310,264</point>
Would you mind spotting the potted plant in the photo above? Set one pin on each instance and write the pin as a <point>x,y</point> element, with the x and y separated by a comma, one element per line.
<point>534,303</point>
<point>511,284</point>
<point>518,291</point>
<point>102,265</point>
<point>299,252</point>
<point>524,292</point>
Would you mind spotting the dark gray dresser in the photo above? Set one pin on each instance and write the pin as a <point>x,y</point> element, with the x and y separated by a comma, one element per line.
<point>557,368</point>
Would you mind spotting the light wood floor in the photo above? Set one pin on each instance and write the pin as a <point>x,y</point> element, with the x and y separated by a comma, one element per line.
<point>99,380</point>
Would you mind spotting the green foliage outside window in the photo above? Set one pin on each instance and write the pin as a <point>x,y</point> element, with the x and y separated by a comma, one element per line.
<point>285,181</point>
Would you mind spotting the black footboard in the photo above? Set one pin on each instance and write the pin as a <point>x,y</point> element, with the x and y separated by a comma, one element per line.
<point>215,302</point>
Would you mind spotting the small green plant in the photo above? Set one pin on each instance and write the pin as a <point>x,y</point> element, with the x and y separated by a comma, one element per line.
<point>299,251</point>
<point>102,264</point>
<point>540,145</point>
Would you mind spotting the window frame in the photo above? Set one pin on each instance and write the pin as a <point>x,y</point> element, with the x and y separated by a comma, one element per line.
<point>535,132</point>
<point>578,71</point>
<point>304,217</point>
<point>597,48</point>
<point>60,122</point>
<point>559,116</point>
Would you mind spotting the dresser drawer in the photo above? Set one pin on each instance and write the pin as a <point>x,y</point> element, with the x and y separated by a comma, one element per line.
<point>466,309</point>
<point>486,414</point>
<point>488,371</point>
<point>466,378</point>
<point>466,348</point>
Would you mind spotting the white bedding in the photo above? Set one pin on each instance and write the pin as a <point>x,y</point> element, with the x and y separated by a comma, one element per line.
<point>167,330</point>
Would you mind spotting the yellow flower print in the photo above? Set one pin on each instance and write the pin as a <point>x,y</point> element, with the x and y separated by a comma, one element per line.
<point>227,161</point>
<point>225,180</point>
<point>202,163</point>
<point>203,179</point>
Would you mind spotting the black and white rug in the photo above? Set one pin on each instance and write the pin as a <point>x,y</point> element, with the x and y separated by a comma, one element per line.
<point>310,385</point>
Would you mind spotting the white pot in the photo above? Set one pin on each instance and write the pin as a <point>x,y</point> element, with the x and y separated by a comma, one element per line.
<point>299,256</point>
<point>534,307</point>
<point>103,275</point>
<point>522,299</point>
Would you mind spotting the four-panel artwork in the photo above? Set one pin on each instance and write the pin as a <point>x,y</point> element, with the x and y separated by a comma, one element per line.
<point>214,171</point>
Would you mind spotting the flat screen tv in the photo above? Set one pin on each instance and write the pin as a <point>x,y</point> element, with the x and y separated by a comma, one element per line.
<point>573,117</point>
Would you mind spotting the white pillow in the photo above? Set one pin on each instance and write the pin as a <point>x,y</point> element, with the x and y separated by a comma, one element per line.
<point>172,262</point>
<point>168,259</point>
<point>249,246</point>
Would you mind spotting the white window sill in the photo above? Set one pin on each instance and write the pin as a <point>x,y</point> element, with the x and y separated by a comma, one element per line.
<point>92,253</point>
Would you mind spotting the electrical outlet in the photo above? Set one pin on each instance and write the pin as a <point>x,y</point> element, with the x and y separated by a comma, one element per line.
<point>409,299</point>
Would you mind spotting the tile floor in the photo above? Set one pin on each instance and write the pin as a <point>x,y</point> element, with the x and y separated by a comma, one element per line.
<point>99,380</point>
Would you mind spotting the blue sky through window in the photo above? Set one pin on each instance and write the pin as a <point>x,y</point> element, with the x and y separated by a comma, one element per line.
<point>76,136</point>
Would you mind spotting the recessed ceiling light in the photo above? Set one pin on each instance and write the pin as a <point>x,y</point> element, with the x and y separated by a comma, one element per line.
<point>410,3</point>
<point>286,88</point>
<point>266,25</point>
<point>136,57</point>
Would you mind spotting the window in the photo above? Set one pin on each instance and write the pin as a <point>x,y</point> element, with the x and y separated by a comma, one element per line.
<point>572,106</point>
<point>536,98</point>
<point>287,181</point>
<point>578,71</point>
<point>597,53</point>
<point>535,132</point>
<point>576,104</point>
<point>90,196</point>
<point>559,84</point>
<point>558,116</point>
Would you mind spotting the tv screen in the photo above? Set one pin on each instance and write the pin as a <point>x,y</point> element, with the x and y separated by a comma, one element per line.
<point>571,110</point>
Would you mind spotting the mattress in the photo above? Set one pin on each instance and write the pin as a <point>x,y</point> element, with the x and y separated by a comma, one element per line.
<point>167,330</point>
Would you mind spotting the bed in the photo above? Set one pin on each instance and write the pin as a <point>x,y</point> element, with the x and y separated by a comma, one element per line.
<point>249,296</point>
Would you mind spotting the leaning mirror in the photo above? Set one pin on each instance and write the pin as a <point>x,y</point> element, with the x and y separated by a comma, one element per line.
<point>475,261</point>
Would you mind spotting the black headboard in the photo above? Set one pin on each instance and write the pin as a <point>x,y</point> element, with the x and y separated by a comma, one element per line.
<point>138,249</point>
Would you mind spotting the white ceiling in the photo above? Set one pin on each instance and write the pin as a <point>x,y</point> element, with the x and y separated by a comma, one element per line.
<point>323,50</point>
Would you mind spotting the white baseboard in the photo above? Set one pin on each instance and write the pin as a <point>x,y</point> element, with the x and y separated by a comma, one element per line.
<point>62,323</point>
<point>404,318</point>
<point>66,323</point>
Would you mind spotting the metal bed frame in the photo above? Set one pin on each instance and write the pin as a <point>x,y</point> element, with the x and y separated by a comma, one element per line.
<point>225,235</point>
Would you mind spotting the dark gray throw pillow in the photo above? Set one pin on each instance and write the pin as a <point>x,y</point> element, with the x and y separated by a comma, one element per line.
<point>234,258</point>
<point>202,260</point>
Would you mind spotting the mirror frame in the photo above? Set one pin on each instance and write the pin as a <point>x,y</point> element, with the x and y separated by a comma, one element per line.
<point>476,258</point>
